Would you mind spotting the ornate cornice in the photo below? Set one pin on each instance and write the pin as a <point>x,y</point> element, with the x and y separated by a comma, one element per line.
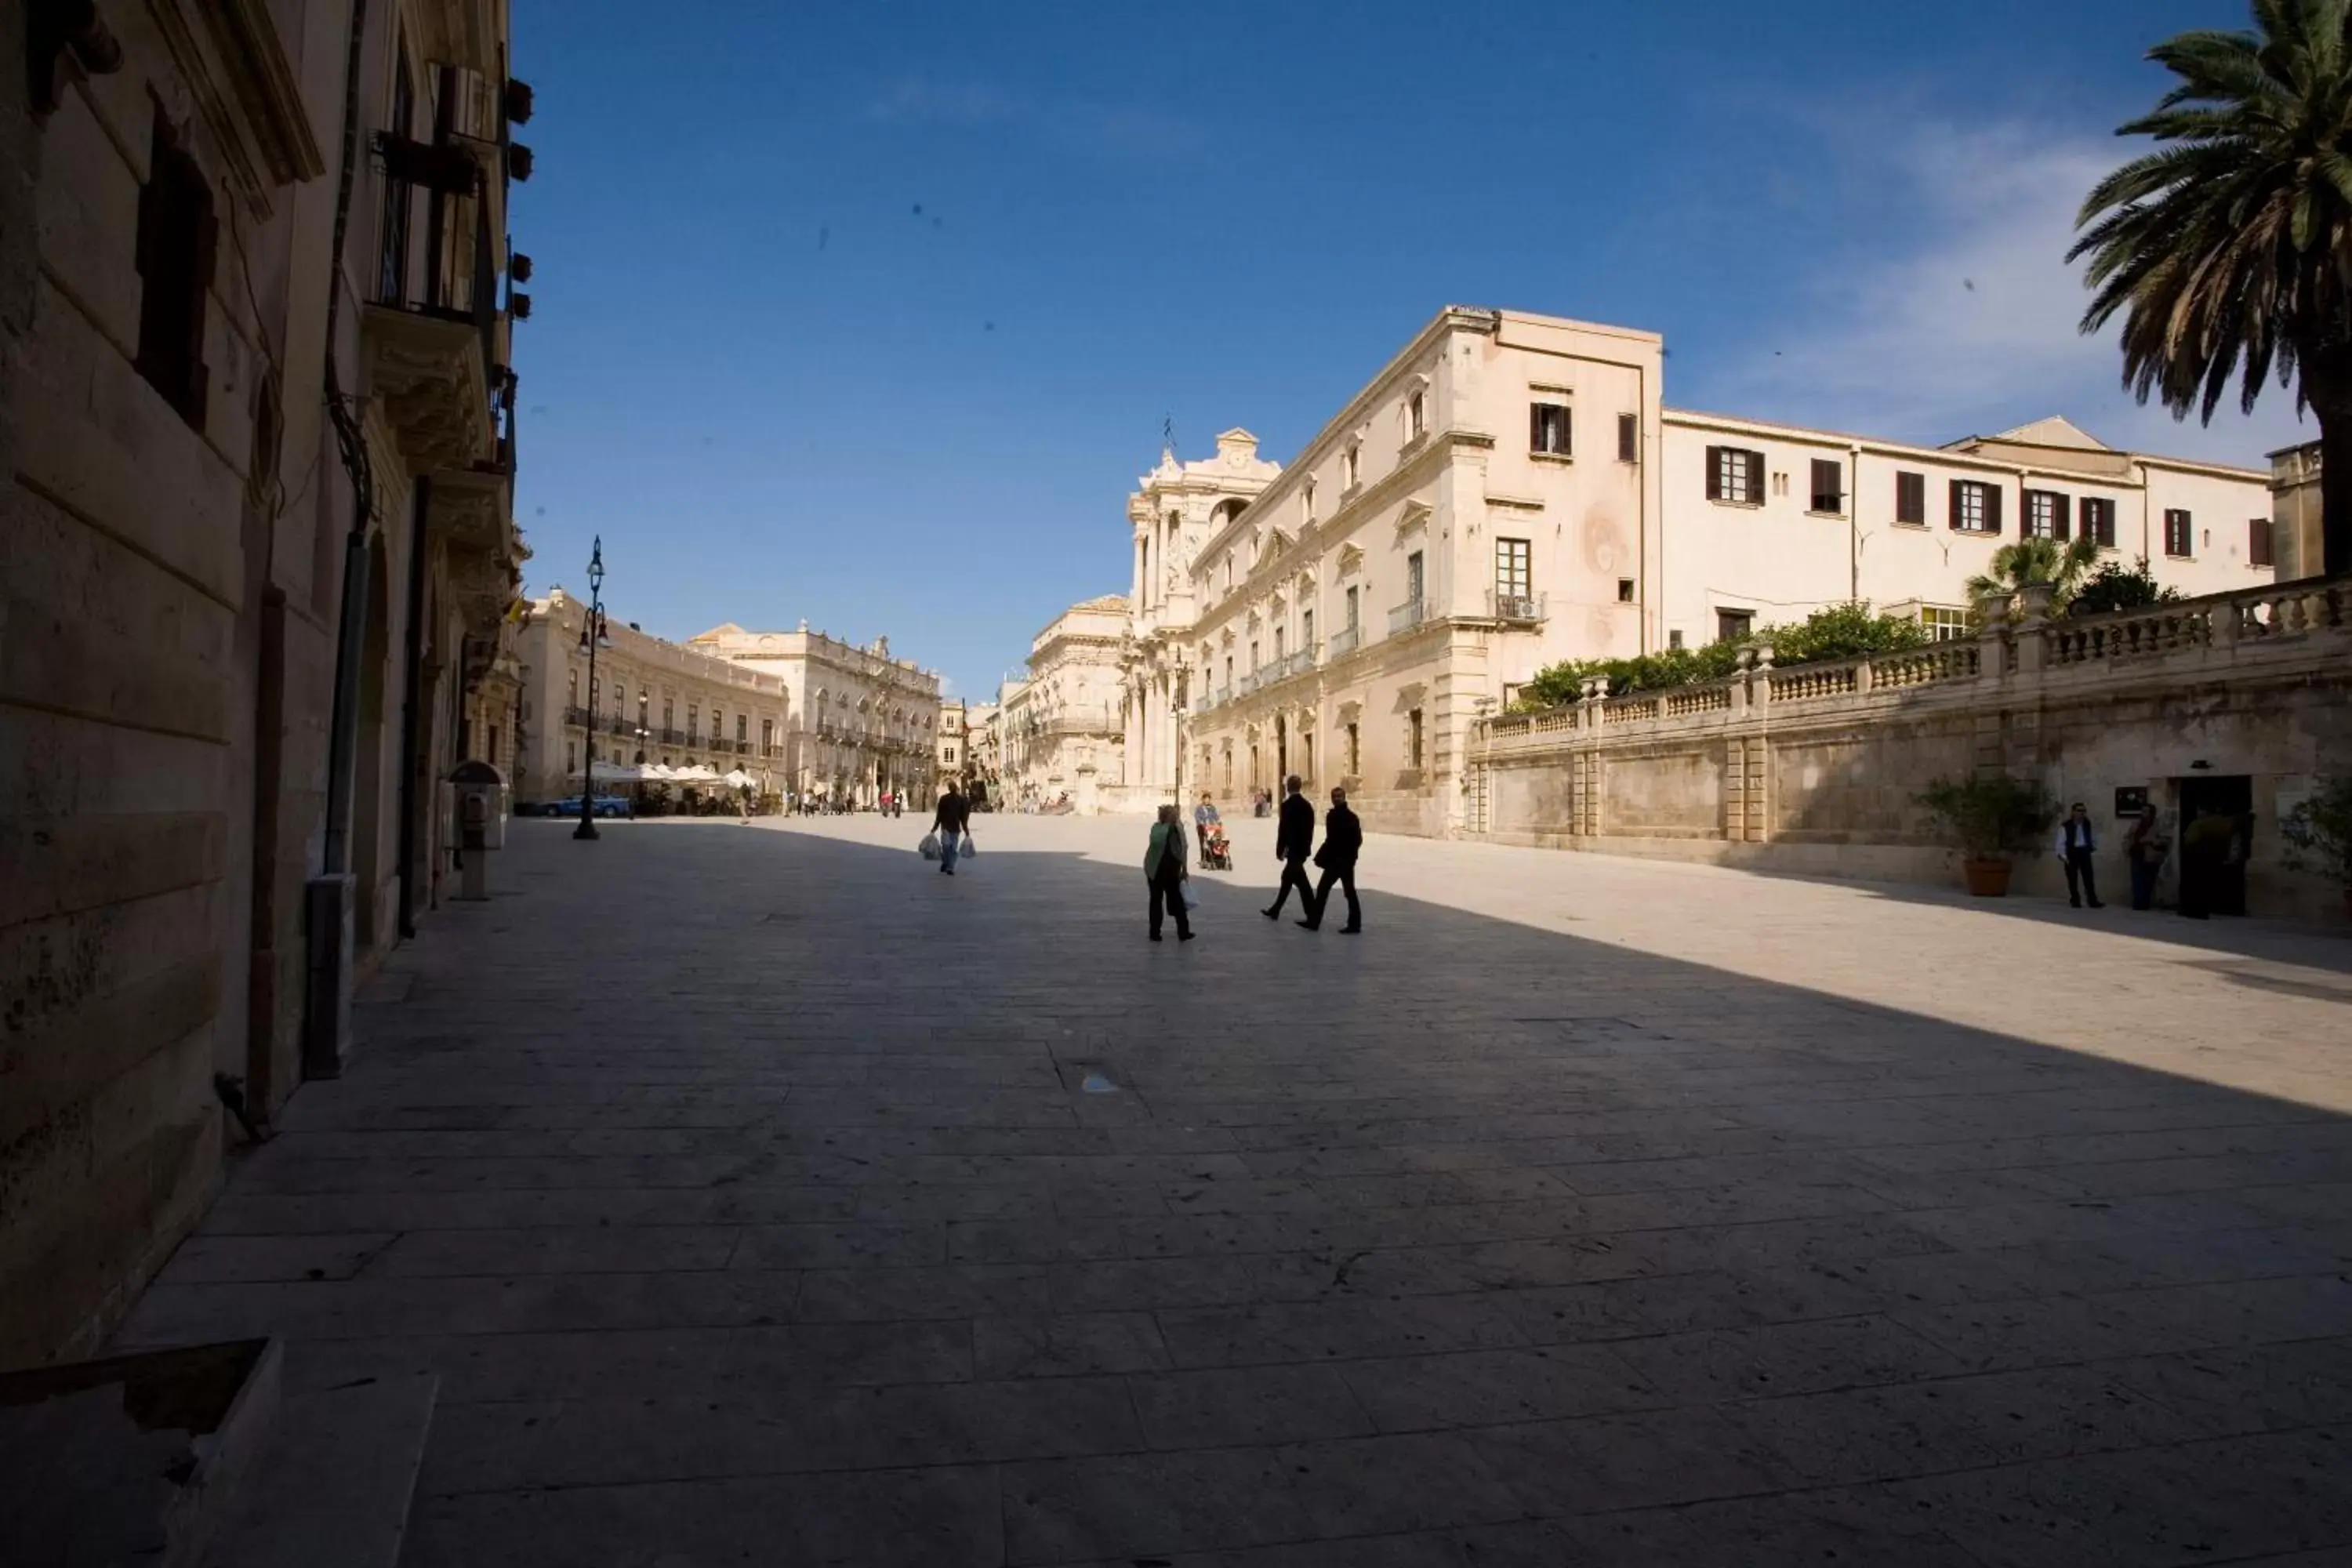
<point>245,90</point>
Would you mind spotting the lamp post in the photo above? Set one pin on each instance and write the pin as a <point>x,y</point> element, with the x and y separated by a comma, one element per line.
<point>592,633</point>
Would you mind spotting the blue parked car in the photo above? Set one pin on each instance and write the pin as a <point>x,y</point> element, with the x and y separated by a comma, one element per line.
<point>606,806</point>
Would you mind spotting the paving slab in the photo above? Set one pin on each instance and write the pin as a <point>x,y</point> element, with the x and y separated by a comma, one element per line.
<point>1580,1210</point>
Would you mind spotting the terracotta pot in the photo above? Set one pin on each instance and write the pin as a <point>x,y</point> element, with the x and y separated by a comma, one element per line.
<point>1987,879</point>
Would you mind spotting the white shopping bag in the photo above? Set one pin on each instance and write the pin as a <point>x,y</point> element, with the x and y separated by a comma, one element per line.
<point>931,847</point>
<point>1191,899</point>
<point>970,849</point>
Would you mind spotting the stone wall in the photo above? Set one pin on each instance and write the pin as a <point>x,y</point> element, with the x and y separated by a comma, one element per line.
<point>1816,768</point>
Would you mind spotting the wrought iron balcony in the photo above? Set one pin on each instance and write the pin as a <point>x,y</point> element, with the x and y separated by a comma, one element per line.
<point>1502,606</point>
<point>1406,617</point>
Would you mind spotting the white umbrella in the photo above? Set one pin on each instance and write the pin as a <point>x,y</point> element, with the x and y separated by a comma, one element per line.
<point>697,774</point>
<point>612,772</point>
<point>658,772</point>
<point>737,779</point>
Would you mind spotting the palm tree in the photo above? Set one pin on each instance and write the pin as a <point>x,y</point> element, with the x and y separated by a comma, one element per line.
<point>2231,245</point>
<point>2062,566</point>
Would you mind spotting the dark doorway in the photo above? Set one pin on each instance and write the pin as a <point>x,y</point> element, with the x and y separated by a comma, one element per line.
<point>2217,829</point>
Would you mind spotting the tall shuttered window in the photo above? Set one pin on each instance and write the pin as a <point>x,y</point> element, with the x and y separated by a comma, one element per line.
<point>176,240</point>
<point>1548,429</point>
<point>1629,437</point>
<point>2048,516</point>
<point>1911,499</point>
<point>1976,507</point>
<point>2180,534</point>
<point>1735,474</point>
<point>2259,551</point>
<point>1829,486</point>
<point>2099,520</point>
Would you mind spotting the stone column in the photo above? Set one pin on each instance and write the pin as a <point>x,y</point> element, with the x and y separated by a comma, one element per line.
<point>2032,630</point>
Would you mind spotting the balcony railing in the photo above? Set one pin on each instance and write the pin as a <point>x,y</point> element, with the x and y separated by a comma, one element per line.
<point>1344,641</point>
<point>577,717</point>
<point>1503,606</point>
<point>1406,617</point>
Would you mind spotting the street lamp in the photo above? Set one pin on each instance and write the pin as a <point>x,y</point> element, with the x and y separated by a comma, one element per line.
<point>592,637</point>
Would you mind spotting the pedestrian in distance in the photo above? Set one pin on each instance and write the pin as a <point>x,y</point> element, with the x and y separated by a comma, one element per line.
<point>1294,838</point>
<point>952,822</point>
<point>1202,816</point>
<point>2078,842</point>
<point>2145,847</point>
<point>1164,873</point>
<point>1343,839</point>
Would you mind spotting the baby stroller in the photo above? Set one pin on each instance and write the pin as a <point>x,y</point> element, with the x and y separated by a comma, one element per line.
<point>1216,853</point>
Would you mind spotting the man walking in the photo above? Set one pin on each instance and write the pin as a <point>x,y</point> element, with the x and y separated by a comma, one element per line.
<point>1294,837</point>
<point>1343,836</point>
<point>2078,842</point>
<point>950,822</point>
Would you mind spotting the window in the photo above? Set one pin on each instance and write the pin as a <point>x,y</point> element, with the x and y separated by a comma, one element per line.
<point>1307,495</point>
<point>1511,689</point>
<point>1277,644</point>
<point>1625,590</point>
<point>1675,638</point>
<point>1229,773</point>
<point>1412,578</point>
<point>693,721</point>
<point>1976,507</point>
<point>742,727</point>
<point>175,244</point>
<point>1416,416</point>
<point>1911,499</point>
<point>1355,752</point>
<point>1735,474</point>
<point>1229,671</point>
<point>1413,739</point>
<point>575,698</point>
<point>1306,631</point>
<point>2178,535</point>
<point>571,759</point>
<point>399,195</point>
<point>1548,429</point>
<point>1732,626</point>
<point>767,736</point>
<point>1829,485</point>
<point>2099,520</point>
<point>1629,437</point>
<point>1253,665</point>
<point>1945,624</point>
<point>1351,467</point>
<point>1354,621</point>
<point>2048,515</point>
<point>2258,543</point>
<point>947,753</point>
<point>1513,579</point>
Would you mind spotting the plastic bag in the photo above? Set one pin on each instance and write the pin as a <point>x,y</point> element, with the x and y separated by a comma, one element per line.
<point>1191,899</point>
<point>931,847</point>
<point>970,849</point>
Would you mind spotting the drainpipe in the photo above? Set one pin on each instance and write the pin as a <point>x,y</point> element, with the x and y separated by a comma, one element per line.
<point>411,713</point>
<point>343,732</point>
<point>1853,522</point>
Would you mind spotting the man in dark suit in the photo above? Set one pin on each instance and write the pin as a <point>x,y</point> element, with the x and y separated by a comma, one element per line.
<point>1343,836</point>
<point>1293,836</point>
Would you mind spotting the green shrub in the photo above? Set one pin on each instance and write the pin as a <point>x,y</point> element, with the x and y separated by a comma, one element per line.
<point>2115,587</point>
<point>1840,631</point>
<point>1990,817</point>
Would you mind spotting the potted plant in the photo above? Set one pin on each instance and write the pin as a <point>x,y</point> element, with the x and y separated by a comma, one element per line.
<point>1993,818</point>
<point>2318,833</point>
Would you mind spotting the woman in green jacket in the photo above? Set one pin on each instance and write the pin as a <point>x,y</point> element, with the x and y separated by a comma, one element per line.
<point>1163,870</point>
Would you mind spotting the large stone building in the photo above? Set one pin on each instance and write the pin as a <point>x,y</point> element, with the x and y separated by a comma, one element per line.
<point>967,746</point>
<point>648,701</point>
<point>1064,730</point>
<point>862,723</point>
<point>256,447</point>
<point>1510,493</point>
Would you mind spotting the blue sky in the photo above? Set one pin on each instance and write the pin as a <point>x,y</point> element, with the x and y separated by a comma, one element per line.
<point>871,313</point>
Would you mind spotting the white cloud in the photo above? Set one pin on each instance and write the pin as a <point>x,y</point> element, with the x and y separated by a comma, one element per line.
<point>1967,322</point>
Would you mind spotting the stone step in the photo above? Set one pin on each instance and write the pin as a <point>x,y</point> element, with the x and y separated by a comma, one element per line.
<point>337,1483</point>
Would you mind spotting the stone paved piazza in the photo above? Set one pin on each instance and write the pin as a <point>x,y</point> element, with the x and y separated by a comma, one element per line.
<point>745,1189</point>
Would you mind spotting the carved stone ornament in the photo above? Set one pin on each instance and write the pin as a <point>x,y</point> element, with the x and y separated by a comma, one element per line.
<point>428,374</point>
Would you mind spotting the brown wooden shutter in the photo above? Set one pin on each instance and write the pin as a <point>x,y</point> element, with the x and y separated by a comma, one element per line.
<point>1715,473</point>
<point>1535,427</point>
<point>2065,517</point>
<point>1755,476</point>
<point>1567,430</point>
<point>1992,509</point>
<point>1958,517</point>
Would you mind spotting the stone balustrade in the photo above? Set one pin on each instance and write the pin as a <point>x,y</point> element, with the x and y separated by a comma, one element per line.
<point>1816,767</point>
